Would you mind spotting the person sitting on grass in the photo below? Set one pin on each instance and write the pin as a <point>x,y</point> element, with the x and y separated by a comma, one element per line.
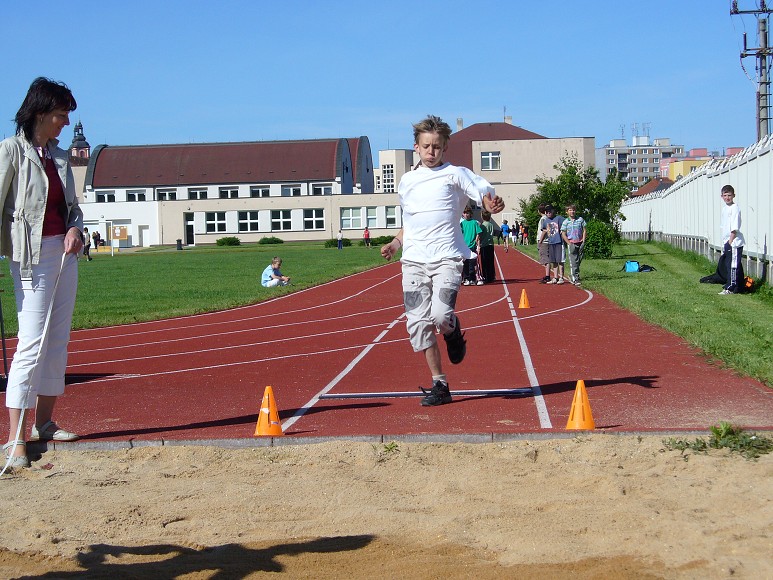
<point>272,276</point>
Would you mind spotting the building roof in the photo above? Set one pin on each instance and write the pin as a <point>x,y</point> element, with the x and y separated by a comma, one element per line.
<point>218,163</point>
<point>460,147</point>
<point>653,185</point>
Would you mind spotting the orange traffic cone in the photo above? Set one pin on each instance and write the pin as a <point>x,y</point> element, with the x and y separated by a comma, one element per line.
<point>580,416</point>
<point>524,303</point>
<point>268,418</point>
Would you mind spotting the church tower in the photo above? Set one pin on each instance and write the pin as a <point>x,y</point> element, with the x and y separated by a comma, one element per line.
<point>80,148</point>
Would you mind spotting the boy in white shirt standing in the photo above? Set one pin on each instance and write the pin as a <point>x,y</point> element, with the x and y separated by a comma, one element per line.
<point>432,198</point>
<point>732,238</point>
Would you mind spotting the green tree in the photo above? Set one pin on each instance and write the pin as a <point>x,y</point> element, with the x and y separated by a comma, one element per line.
<point>580,185</point>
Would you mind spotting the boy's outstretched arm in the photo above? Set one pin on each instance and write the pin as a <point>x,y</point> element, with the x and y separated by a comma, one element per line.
<point>389,250</point>
<point>493,204</point>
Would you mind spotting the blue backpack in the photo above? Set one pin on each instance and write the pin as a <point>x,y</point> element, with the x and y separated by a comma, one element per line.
<point>634,266</point>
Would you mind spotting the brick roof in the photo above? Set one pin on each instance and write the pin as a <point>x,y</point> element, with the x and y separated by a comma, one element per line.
<point>215,163</point>
<point>658,184</point>
<point>460,147</point>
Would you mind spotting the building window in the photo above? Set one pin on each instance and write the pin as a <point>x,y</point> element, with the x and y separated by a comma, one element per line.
<point>106,197</point>
<point>490,161</point>
<point>280,220</point>
<point>291,191</point>
<point>611,152</point>
<point>391,216</point>
<point>248,221</point>
<point>197,193</point>
<point>313,219</point>
<point>215,221</point>
<point>388,178</point>
<point>370,218</point>
<point>259,191</point>
<point>166,194</point>
<point>138,195</point>
<point>351,218</point>
<point>655,160</point>
<point>229,192</point>
<point>322,189</point>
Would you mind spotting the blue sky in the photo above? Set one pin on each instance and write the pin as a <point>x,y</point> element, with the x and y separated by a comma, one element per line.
<point>174,71</point>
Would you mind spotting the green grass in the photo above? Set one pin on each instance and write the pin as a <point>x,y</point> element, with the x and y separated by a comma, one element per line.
<point>162,282</point>
<point>736,330</point>
<point>724,436</point>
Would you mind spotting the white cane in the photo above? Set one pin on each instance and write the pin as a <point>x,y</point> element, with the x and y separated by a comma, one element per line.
<point>43,341</point>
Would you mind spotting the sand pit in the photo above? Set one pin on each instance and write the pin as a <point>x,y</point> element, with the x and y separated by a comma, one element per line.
<point>585,507</point>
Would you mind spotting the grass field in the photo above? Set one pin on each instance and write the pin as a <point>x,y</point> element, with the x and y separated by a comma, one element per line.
<point>162,282</point>
<point>736,329</point>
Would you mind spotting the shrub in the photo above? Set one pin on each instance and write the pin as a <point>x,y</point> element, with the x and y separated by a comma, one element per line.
<point>333,243</point>
<point>229,241</point>
<point>270,240</point>
<point>599,239</point>
<point>381,240</point>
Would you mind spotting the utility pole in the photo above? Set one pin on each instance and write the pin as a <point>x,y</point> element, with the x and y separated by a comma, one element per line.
<point>762,54</point>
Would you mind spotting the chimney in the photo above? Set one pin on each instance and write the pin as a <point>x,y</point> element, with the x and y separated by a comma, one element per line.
<point>459,123</point>
<point>508,119</point>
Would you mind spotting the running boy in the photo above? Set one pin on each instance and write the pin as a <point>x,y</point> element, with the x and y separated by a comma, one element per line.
<point>732,239</point>
<point>432,198</point>
<point>505,229</point>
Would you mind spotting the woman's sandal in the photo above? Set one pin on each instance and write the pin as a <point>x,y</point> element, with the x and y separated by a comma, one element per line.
<point>50,431</point>
<point>19,462</point>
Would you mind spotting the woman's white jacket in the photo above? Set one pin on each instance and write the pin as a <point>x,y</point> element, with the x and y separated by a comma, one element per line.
<point>23,196</point>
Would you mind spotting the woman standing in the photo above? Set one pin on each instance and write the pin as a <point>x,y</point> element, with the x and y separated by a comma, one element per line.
<point>40,232</point>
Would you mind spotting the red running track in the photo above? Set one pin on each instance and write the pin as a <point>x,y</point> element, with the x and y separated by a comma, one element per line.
<point>202,377</point>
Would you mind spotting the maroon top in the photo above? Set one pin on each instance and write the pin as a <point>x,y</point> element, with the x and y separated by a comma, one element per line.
<point>56,208</point>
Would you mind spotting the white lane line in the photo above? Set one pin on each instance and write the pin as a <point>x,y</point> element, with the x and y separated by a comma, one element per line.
<point>188,353</point>
<point>251,330</point>
<point>539,400</point>
<point>120,330</point>
<point>315,399</point>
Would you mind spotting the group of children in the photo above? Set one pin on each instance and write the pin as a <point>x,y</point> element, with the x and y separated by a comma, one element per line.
<point>558,236</point>
<point>515,234</point>
<point>479,237</point>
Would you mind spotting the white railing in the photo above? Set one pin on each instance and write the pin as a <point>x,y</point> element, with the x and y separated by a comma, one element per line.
<point>686,215</point>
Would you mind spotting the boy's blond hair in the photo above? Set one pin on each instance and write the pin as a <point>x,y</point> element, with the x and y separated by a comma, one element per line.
<point>432,124</point>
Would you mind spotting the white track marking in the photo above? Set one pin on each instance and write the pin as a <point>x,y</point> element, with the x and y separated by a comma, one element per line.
<point>315,399</point>
<point>188,353</point>
<point>120,330</point>
<point>539,400</point>
<point>251,330</point>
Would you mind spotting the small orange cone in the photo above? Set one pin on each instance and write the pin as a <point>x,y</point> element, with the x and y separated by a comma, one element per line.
<point>524,303</point>
<point>580,416</point>
<point>268,418</point>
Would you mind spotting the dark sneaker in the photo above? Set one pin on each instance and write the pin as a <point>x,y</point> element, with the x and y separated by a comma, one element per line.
<point>455,344</point>
<point>439,395</point>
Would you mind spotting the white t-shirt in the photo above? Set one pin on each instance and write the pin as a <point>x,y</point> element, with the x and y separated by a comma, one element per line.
<point>432,200</point>
<point>730,220</point>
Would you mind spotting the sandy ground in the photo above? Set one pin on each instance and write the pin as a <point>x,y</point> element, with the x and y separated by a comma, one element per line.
<point>593,506</point>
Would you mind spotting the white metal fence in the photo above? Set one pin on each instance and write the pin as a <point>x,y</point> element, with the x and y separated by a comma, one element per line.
<point>686,215</point>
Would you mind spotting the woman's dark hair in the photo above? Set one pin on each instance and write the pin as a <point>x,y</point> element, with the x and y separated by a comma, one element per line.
<point>43,97</point>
